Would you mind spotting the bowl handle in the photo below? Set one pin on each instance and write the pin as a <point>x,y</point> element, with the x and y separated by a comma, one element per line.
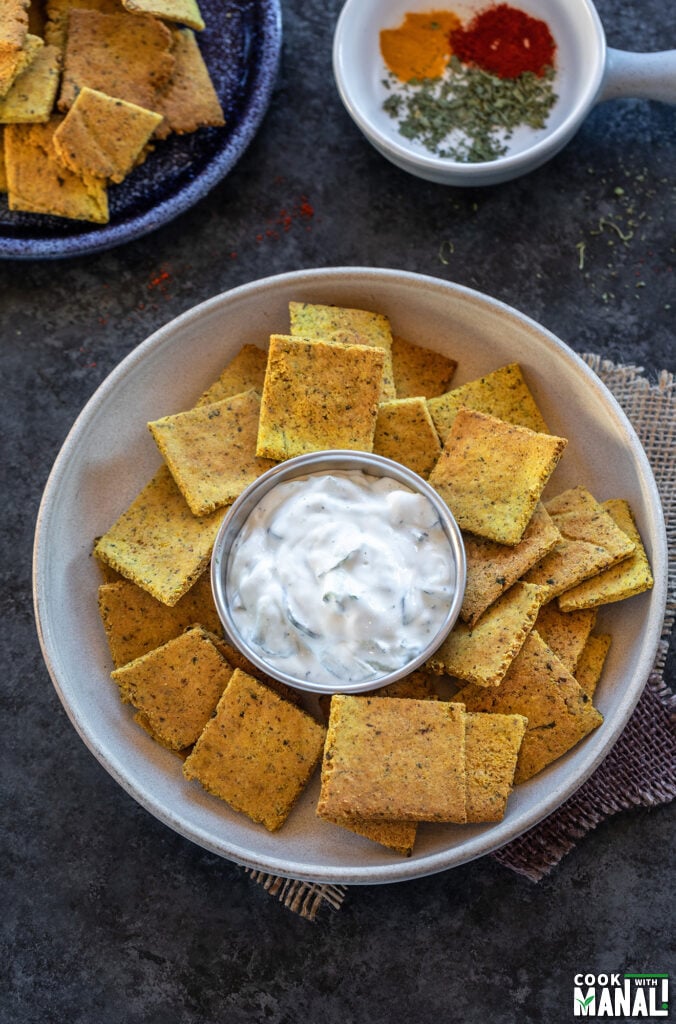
<point>646,76</point>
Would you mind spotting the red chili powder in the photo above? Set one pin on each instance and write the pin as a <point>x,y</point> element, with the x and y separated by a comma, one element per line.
<point>506,42</point>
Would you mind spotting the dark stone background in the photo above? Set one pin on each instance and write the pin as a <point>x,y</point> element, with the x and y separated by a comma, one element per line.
<point>107,915</point>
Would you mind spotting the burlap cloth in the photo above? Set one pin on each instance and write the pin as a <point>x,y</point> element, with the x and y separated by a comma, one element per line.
<point>639,770</point>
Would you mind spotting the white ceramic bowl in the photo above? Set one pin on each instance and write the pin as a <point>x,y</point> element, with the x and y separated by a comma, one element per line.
<point>109,456</point>
<point>319,463</point>
<point>586,73</point>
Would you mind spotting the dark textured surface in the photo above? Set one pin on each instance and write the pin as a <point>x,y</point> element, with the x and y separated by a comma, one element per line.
<point>107,915</point>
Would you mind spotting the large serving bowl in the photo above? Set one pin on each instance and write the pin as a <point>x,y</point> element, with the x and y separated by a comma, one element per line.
<point>109,456</point>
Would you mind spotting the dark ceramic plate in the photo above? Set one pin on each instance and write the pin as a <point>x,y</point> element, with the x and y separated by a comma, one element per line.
<point>241,46</point>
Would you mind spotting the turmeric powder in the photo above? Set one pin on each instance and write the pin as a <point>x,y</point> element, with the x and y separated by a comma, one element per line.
<point>420,47</point>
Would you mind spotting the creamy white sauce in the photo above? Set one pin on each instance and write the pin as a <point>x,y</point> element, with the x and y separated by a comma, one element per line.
<point>340,577</point>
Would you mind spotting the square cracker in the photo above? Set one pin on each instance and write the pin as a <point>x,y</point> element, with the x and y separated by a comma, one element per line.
<point>482,654</point>
<point>539,687</point>
<point>103,136</point>
<point>176,687</point>
<point>37,183</point>
<point>245,372</point>
<point>394,760</point>
<point>257,753</point>
<point>318,395</point>
<point>502,393</point>
<point>629,577</point>
<point>211,450</point>
<point>405,432</point>
<point>189,100</point>
<point>492,568</point>
<point>13,24</point>
<point>348,326</point>
<point>158,543</point>
<point>420,371</point>
<point>58,13</point>
<point>591,661</point>
<point>492,744</point>
<point>31,96</point>
<point>122,55</point>
<point>136,623</point>
<point>591,541</point>
<point>491,474</point>
<point>185,12</point>
<point>13,63</point>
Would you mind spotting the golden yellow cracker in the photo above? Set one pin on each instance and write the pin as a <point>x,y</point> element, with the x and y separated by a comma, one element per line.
<point>405,432</point>
<point>349,327</point>
<point>37,183</point>
<point>420,371</point>
<point>257,753</point>
<point>125,56</point>
<point>591,541</point>
<point>246,372</point>
<point>31,97</point>
<point>629,577</point>
<point>158,543</point>
<point>211,450</point>
<point>185,12</point>
<point>58,13</point>
<point>235,658</point>
<point>492,744</point>
<point>13,25</point>
<point>591,661</point>
<point>539,687</point>
<point>502,393</point>
<point>395,835</point>
<point>491,474</point>
<point>13,63</point>
<point>318,395</point>
<point>566,633</point>
<point>189,100</point>
<point>394,760</point>
<point>103,136</point>
<point>417,685</point>
<point>482,654</point>
<point>136,623</point>
<point>176,687</point>
<point>492,568</point>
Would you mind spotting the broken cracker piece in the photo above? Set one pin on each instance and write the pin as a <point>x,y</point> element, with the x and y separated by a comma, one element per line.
<point>492,744</point>
<point>420,371</point>
<point>405,433</point>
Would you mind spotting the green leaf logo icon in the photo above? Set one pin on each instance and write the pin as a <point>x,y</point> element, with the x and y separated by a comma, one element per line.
<point>585,1002</point>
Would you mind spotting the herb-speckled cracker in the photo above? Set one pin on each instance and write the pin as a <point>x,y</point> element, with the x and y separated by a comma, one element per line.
<point>13,24</point>
<point>483,653</point>
<point>349,326</point>
<point>14,62</point>
<point>492,744</point>
<point>136,623</point>
<point>176,687</point>
<point>103,136</point>
<point>257,753</point>
<point>591,661</point>
<point>394,760</point>
<point>405,433</point>
<point>492,568</point>
<point>318,395</point>
<point>185,12</point>
<point>189,100</point>
<point>31,96</point>
<point>566,633</point>
<point>58,14</point>
<point>420,371</point>
<point>123,55</point>
<point>591,541</point>
<point>158,543</point>
<point>491,474</point>
<point>246,372</point>
<point>211,450</point>
<point>629,577</point>
<point>502,393</point>
<point>37,183</point>
<point>538,686</point>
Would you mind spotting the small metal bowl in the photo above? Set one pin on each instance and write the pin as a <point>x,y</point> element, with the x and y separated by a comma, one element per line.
<point>325,462</point>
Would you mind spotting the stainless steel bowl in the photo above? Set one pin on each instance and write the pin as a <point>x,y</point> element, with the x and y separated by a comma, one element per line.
<point>320,463</point>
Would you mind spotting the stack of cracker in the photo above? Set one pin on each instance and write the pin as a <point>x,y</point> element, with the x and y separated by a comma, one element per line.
<point>87,87</point>
<point>509,691</point>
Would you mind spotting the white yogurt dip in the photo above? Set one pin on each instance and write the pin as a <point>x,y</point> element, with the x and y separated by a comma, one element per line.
<point>340,577</point>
